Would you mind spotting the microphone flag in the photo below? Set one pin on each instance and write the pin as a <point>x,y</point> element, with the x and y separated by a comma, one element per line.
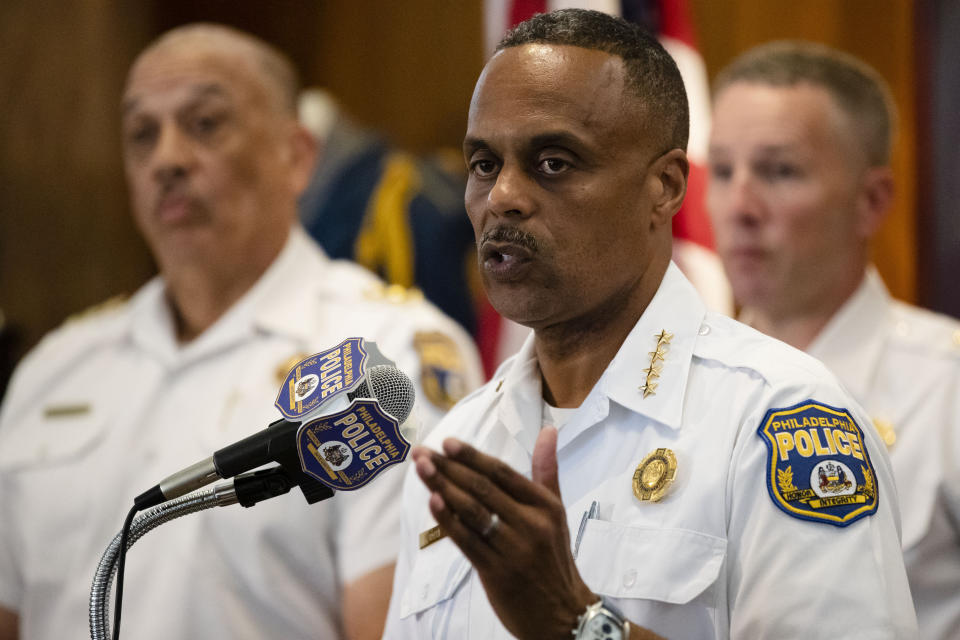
<point>348,449</point>
<point>320,378</point>
<point>355,438</point>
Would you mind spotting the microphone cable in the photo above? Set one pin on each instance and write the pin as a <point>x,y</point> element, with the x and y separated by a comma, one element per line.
<point>121,564</point>
<point>246,489</point>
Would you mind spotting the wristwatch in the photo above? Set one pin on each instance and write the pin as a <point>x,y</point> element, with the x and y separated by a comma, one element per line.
<point>602,621</point>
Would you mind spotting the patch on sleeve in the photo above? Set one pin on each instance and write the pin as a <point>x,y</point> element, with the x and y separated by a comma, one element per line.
<point>442,369</point>
<point>819,468</point>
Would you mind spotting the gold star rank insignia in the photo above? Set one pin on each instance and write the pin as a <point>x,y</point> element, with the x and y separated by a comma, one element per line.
<point>654,475</point>
<point>649,386</point>
<point>663,337</point>
<point>652,371</point>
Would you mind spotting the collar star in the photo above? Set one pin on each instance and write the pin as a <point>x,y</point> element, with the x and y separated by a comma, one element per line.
<point>649,387</point>
<point>652,371</point>
<point>663,337</point>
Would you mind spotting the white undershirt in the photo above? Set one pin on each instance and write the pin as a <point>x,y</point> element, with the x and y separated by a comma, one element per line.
<point>555,416</point>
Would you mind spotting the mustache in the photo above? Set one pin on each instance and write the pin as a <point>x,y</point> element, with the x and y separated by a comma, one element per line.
<point>172,189</point>
<point>511,235</point>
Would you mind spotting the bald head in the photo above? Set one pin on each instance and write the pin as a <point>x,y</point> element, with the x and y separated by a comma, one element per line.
<point>214,155</point>
<point>262,63</point>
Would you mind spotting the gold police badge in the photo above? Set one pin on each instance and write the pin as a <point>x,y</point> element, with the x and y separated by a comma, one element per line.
<point>654,475</point>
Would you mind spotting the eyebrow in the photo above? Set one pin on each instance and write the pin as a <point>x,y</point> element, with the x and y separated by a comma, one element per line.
<point>545,139</point>
<point>767,149</point>
<point>197,92</point>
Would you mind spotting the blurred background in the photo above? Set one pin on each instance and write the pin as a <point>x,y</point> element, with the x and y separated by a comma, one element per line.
<point>405,70</point>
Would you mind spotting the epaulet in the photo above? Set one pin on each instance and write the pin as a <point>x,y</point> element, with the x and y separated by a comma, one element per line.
<point>393,293</point>
<point>83,328</point>
<point>109,305</point>
<point>62,348</point>
<point>736,345</point>
<point>919,328</point>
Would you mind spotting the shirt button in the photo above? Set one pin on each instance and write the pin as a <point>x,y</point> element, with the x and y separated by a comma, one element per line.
<point>426,592</point>
<point>630,578</point>
<point>704,329</point>
<point>902,328</point>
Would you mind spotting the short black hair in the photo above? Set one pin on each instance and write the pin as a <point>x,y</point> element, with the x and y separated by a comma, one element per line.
<point>652,75</point>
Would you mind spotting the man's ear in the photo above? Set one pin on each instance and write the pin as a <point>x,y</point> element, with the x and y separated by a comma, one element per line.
<point>875,200</point>
<point>304,152</point>
<point>669,173</point>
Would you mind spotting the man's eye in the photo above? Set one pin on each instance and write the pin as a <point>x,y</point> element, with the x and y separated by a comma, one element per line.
<point>483,168</point>
<point>719,171</point>
<point>778,171</point>
<point>786,170</point>
<point>141,135</point>
<point>206,125</point>
<point>553,166</point>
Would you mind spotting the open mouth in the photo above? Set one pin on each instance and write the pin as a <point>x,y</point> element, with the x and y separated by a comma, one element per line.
<point>504,261</point>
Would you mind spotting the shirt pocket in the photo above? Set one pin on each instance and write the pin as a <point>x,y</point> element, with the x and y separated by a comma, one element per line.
<point>666,565</point>
<point>438,572</point>
<point>60,431</point>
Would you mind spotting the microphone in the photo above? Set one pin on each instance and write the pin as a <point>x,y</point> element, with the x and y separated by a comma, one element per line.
<point>389,389</point>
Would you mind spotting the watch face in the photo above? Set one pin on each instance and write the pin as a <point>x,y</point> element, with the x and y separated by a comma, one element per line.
<point>602,627</point>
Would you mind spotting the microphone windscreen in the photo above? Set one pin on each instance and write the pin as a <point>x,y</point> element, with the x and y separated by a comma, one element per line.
<point>391,388</point>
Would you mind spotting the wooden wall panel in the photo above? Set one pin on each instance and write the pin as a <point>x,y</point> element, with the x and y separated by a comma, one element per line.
<point>880,32</point>
<point>66,237</point>
<point>407,68</point>
<point>66,240</point>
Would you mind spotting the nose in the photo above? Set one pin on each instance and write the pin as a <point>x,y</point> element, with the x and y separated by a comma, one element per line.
<point>173,155</point>
<point>736,199</point>
<point>511,194</point>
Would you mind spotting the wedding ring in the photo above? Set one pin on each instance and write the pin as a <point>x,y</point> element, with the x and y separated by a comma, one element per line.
<point>491,526</point>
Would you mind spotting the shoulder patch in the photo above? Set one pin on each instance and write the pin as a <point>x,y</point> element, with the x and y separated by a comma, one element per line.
<point>442,369</point>
<point>818,466</point>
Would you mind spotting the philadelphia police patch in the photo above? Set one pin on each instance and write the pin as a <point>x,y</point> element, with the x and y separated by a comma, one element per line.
<point>320,377</point>
<point>819,468</point>
<point>346,450</point>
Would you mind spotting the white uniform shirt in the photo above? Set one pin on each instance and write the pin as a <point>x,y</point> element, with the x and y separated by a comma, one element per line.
<point>715,558</point>
<point>106,407</point>
<point>903,364</point>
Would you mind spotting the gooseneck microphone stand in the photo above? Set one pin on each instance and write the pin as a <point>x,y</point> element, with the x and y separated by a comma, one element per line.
<point>246,489</point>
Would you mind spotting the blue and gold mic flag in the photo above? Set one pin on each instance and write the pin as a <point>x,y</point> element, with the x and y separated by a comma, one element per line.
<point>350,400</point>
<point>348,449</point>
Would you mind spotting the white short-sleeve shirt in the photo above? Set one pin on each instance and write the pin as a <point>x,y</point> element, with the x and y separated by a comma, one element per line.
<point>109,405</point>
<point>717,557</point>
<point>902,364</point>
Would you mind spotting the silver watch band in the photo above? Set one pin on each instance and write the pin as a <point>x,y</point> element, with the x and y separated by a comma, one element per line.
<point>603,607</point>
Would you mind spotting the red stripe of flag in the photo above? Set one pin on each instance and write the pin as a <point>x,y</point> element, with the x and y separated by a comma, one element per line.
<point>675,22</point>
<point>520,10</point>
